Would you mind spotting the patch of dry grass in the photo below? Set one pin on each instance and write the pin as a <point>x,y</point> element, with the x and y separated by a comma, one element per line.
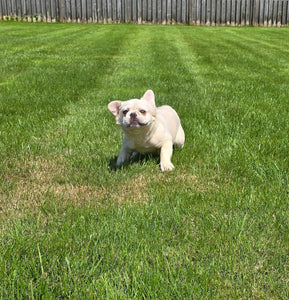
<point>39,179</point>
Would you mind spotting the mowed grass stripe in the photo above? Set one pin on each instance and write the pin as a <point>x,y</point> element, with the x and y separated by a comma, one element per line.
<point>240,123</point>
<point>43,126</point>
<point>41,93</point>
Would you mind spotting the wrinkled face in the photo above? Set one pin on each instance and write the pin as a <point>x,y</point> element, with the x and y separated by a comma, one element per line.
<point>135,113</point>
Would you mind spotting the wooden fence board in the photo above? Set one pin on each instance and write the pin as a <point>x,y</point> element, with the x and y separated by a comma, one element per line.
<point>118,11</point>
<point>127,4</point>
<point>242,15</point>
<point>88,11</point>
<point>191,12</point>
<point>203,12</point>
<point>206,12</point>
<point>113,11</point>
<point>238,12</point>
<point>1,10</point>
<point>9,7</point>
<point>158,12</point>
<point>12,7</point>
<point>139,11</point>
<point>218,12</point>
<point>287,14</point>
<point>18,9</point>
<point>184,12</point>
<point>149,11</point>
<point>261,13</point>
<point>47,16</point>
<point>284,12</point>
<point>174,11</point>
<point>163,11</point>
<point>169,12</point>
<point>199,12</point>
<point>154,11</point>
<point>133,11</point>
<point>43,11</point>
<point>279,13</point>
<point>109,11</point>
<point>26,10</point>
<point>222,12</point>
<point>247,13</point>
<point>269,14</point>
<point>101,11</point>
<point>178,11</point>
<point>274,13</point>
<point>228,12</point>
<point>72,11</point>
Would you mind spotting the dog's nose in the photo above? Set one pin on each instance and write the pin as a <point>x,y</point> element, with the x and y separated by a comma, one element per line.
<point>133,116</point>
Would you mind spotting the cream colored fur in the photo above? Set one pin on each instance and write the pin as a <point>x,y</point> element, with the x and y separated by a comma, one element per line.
<point>148,129</point>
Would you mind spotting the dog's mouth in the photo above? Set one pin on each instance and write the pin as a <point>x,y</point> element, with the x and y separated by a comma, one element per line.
<point>136,123</point>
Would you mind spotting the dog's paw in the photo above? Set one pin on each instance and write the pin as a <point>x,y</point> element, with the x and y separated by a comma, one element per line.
<point>167,166</point>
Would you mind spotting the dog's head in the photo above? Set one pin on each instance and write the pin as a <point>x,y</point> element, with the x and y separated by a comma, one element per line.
<point>134,113</point>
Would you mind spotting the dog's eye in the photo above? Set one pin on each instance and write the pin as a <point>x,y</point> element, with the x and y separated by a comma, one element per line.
<point>142,111</point>
<point>125,112</point>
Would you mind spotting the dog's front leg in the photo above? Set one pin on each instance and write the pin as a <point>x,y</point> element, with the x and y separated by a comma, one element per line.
<point>123,155</point>
<point>166,154</point>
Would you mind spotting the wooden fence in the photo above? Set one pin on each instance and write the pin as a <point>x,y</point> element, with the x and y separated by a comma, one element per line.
<point>194,12</point>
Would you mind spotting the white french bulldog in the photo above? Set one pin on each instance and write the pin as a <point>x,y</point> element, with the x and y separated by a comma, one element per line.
<point>148,129</point>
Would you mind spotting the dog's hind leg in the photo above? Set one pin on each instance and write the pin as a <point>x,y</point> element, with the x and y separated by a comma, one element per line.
<point>180,138</point>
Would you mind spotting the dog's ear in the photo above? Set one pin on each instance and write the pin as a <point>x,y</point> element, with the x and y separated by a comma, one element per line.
<point>149,96</point>
<point>114,108</point>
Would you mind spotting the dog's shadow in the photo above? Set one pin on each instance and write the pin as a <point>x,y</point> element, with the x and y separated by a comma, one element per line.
<point>137,158</point>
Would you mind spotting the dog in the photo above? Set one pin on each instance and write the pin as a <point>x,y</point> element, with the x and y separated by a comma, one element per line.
<point>148,129</point>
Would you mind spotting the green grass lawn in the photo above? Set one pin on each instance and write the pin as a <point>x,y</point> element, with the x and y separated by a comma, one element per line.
<point>72,226</point>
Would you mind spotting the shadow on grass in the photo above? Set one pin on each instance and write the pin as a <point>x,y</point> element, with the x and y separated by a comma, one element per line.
<point>137,158</point>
